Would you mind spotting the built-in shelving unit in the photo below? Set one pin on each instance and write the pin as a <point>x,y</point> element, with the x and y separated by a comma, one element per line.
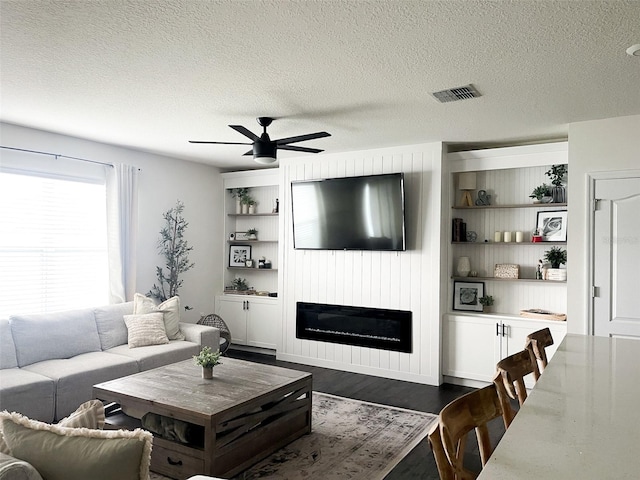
<point>473,341</point>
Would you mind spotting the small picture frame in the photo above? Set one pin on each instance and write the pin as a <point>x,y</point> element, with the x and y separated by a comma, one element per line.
<point>466,296</point>
<point>238,255</point>
<point>241,236</point>
<point>552,225</point>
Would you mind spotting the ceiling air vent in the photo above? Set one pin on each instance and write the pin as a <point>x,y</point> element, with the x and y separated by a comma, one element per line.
<point>455,94</point>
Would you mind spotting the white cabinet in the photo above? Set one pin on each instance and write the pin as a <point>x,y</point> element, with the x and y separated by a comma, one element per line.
<point>473,344</point>
<point>252,320</point>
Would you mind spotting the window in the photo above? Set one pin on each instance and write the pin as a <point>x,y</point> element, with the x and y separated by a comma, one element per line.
<point>53,244</point>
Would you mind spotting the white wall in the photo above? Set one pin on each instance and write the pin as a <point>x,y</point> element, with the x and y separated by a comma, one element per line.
<point>396,280</point>
<point>163,180</point>
<point>596,146</point>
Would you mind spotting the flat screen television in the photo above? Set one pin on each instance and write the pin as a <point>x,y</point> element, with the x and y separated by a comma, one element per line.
<point>350,213</point>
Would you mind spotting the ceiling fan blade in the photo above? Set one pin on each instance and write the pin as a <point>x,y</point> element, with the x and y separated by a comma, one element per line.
<point>250,152</point>
<point>245,131</point>
<point>301,138</point>
<point>219,143</point>
<point>299,149</point>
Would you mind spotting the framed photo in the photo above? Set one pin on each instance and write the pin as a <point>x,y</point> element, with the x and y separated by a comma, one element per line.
<point>466,296</point>
<point>241,236</point>
<point>552,225</point>
<point>238,255</point>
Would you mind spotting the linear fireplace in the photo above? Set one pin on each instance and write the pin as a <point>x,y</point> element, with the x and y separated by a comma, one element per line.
<point>358,326</point>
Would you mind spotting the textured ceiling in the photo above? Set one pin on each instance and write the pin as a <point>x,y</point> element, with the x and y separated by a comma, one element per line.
<point>151,75</point>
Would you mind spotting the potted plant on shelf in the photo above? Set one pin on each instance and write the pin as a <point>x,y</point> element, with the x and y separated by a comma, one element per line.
<point>541,194</point>
<point>207,359</point>
<point>246,200</point>
<point>487,302</point>
<point>252,234</point>
<point>239,194</point>
<point>557,173</point>
<point>556,256</point>
<point>240,284</point>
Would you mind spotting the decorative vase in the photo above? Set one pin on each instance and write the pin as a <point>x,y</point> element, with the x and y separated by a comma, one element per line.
<point>464,266</point>
<point>238,206</point>
<point>252,209</point>
<point>245,208</point>
<point>487,308</point>
<point>558,194</point>
<point>207,372</point>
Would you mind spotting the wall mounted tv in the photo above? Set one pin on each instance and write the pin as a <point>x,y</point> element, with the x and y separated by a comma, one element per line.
<point>350,213</point>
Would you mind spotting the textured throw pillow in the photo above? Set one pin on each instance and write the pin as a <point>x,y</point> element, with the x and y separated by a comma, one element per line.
<point>96,454</point>
<point>145,329</point>
<point>170,309</point>
<point>88,415</point>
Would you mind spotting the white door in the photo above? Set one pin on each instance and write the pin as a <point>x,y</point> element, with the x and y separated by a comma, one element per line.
<point>263,323</point>
<point>233,312</point>
<point>616,257</point>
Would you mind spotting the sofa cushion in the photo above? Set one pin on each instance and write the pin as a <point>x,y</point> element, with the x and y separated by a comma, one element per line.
<point>170,309</point>
<point>158,355</point>
<point>75,377</point>
<point>110,323</point>
<point>8,357</point>
<point>96,454</point>
<point>13,469</point>
<point>54,335</point>
<point>28,393</point>
<point>145,329</point>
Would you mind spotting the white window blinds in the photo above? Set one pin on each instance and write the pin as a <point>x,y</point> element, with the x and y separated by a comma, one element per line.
<point>53,244</point>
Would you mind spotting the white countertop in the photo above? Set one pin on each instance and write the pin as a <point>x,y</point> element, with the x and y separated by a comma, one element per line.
<point>582,419</point>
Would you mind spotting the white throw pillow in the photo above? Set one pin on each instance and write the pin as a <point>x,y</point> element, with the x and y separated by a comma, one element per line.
<point>170,309</point>
<point>145,329</point>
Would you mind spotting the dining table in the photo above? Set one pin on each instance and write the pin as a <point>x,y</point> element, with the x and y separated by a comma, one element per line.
<point>582,418</point>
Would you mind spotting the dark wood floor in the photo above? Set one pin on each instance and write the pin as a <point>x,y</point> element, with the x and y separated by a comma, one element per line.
<point>419,464</point>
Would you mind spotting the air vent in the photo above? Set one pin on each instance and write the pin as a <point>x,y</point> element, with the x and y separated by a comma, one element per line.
<point>455,94</point>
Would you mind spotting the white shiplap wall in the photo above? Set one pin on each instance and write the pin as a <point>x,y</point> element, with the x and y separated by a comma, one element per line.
<point>396,280</point>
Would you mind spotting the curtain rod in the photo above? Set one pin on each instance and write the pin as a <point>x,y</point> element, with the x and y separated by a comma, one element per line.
<point>57,155</point>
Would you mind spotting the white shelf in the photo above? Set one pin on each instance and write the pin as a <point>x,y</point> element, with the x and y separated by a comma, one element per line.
<point>524,205</point>
<point>494,279</point>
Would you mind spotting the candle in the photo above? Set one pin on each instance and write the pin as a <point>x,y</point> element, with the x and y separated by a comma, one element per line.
<point>507,236</point>
<point>497,237</point>
<point>519,237</point>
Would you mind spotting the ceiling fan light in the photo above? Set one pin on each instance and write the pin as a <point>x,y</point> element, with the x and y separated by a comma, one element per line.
<point>264,160</point>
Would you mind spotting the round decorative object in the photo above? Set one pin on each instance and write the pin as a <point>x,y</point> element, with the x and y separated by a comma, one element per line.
<point>464,266</point>
<point>214,320</point>
<point>472,236</point>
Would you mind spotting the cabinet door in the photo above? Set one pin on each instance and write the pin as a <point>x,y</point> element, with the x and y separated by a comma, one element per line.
<point>471,347</point>
<point>263,324</point>
<point>232,310</point>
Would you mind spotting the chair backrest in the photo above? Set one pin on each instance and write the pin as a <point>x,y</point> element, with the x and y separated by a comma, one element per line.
<point>536,343</point>
<point>472,411</point>
<point>510,373</point>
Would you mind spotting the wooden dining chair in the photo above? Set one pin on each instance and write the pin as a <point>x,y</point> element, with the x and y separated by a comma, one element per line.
<point>509,379</point>
<point>448,440</point>
<point>536,343</point>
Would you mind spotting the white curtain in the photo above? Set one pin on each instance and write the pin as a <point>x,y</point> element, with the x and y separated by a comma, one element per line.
<point>122,229</point>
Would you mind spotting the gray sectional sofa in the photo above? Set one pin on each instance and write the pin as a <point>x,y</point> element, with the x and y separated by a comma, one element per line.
<point>50,362</point>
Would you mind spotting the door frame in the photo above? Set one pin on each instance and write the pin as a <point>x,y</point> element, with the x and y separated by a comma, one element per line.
<point>591,191</point>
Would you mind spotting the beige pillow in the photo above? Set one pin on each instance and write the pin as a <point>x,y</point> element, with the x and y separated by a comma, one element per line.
<point>145,329</point>
<point>88,415</point>
<point>61,453</point>
<point>170,309</point>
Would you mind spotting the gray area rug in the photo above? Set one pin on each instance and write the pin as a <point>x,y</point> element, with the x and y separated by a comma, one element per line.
<point>350,439</point>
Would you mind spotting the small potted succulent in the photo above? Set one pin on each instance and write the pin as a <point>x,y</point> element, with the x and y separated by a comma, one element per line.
<point>487,302</point>
<point>541,194</point>
<point>252,234</point>
<point>207,359</point>
<point>536,236</point>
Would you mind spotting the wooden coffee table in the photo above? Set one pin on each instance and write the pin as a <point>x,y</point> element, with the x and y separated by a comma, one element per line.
<point>248,410</point>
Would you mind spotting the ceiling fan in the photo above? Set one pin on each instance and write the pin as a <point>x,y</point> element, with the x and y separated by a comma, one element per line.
<point>263,148</point>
